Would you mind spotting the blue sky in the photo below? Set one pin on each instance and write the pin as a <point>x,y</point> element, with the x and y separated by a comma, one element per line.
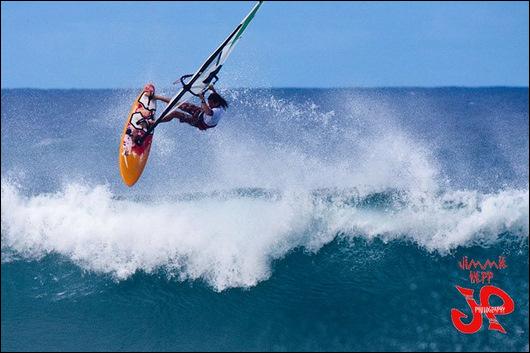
<point>289,44</point>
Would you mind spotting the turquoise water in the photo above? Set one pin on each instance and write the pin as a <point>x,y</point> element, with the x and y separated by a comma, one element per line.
<point>307,220</point>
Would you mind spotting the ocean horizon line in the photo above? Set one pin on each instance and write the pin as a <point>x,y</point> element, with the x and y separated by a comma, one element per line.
<point>271,88</point>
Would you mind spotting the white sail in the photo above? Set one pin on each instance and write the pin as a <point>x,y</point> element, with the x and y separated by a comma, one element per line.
<point>207,73</point>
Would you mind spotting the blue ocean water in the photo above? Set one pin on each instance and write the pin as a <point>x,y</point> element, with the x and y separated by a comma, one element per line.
<point>309,219</point>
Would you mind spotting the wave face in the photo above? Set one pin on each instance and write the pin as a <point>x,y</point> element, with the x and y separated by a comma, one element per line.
<point>291,226</point>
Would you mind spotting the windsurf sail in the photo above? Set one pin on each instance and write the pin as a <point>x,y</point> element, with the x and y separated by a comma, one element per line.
<point>207,73</point>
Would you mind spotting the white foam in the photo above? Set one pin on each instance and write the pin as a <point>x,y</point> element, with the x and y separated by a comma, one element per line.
<point>228,243</point>
<point>442,223</point>
<point>231,242</point>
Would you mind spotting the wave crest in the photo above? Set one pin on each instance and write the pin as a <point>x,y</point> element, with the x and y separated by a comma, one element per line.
<point>229,239</point>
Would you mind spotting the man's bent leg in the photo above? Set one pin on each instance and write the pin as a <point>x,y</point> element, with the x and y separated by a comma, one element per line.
<point>175,114</point>
<point>190,108</point>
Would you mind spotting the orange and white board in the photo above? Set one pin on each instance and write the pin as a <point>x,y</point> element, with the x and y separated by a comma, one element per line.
<point>133,155</point>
